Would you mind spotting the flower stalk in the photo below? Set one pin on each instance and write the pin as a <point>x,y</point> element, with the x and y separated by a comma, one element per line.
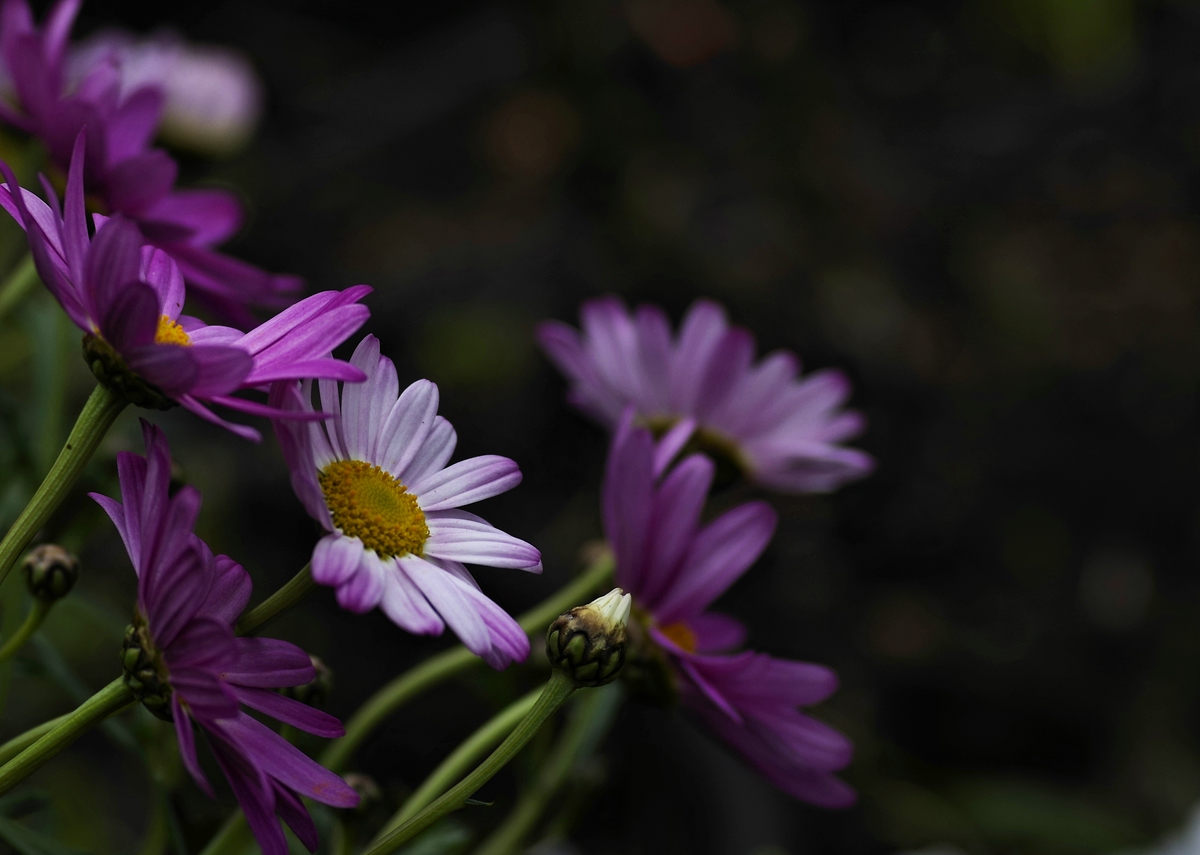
<point>557,690</point>
<point>18,284</point>
<point>98,415</point>
<point>25,631</point>
<point>293,591</point>
<point>108,701</point>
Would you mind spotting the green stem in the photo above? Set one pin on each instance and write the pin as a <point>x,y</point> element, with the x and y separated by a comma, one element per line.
<point>556,691</point>
<point>17,744</point>
<point>33,620</point>
<point>292,592</point>
<point>470,752</point>
<point>111,699</point>
<point>18,284</point>
<point>589,722</point>
<point>100,411</point>
<point>234,836</point>
<point>453,661</point>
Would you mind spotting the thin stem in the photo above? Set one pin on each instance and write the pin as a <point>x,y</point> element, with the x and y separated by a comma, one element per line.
<point>111,699</point>
<point>589,722</point>
<point>556,691</point>
<point>470,752</point>
<point>17,744</point>
<point>33,620</point>
<point>19,283</point>
<point>234,836</point>
<point>292,592</point>
<point>453,661</point>
<point>100,411</point>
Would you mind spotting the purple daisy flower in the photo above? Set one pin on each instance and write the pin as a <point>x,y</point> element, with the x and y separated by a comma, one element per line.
<point>183,661</point>
<point>122,171</point>
<point>127,298</point>
<point>675,568</point>
<point>781,431</point>
<point>375,476</point>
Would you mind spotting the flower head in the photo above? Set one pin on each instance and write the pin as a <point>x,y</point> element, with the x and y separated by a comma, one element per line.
<point>128,298</point>
<point>123,172</point>
<point>376,477</point>
<point>183,661</point>
<point>212,95</point>
<point>703,389</point>
<point>675,568</point>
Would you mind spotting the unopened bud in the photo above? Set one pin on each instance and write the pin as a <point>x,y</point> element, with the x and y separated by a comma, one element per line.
<point>50,572</point>
<point>317,690</point>
<point>588,642</point>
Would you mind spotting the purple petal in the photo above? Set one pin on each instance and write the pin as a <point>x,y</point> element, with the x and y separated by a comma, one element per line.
<point>291,810</point>
<point>229,593</point>
<point>336,558</point>
<point>717,633</point>
<point>187,745</point>
<point>407,425</point>
<point>137,183</point>
<point>466,482</point>
<point>459,536</point>
<point>432,454</point>
<point>405,605</point>
<point>678,504</point>
<point>363,590</point>
<point>627,500</point>
<point>252,789</point>
<point>290,711</point>
<point>268,663</point>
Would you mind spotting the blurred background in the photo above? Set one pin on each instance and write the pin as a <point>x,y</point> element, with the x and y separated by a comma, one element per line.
<point>984,211</point>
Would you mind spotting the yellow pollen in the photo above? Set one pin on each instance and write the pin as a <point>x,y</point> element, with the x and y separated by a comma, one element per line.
<point>368,503</point>
<point>170,332</point>
<point>681,634</point>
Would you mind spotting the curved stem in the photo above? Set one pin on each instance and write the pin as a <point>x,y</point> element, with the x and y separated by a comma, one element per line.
<point>33,620</point>
<point>19,743</point>
<point>552,697</point>
<point>292,592</point>
<point>111,699</point>
<point>453,661</point>
<point>467,754</point>
<point>100,411</point>
<point>233,836</point>
<point>589,723</point>
<point>19,283</point>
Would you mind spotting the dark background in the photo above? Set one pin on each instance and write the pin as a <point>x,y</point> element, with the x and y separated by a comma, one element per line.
<point>983,211</point>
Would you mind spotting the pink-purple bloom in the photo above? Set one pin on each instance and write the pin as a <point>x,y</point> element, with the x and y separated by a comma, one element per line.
<point>375,476</point>
<point>184,662</point>
<point>675,568</point>
<point>123,171</point>
<point>128,297</point>
<point>782,431</point>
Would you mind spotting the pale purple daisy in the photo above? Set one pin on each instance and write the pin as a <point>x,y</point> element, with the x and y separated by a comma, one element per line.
<point>183,661</point>
<point>123,172</point>
<point>212,95</point>
<point>675,568</point>
<point>128,297</point>
<point>780,430</point>
<point>375,475</point>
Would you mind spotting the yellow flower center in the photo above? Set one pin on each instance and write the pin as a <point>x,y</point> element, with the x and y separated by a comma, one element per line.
<point>169,332</point>
<point>368,503</point>
<point>681,634</point>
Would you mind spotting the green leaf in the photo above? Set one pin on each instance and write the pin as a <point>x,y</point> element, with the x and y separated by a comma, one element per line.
<point>29,842</point>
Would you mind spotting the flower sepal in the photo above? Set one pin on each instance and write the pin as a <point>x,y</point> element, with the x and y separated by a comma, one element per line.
<point>111,371</point>
<point>588,642</point>
<point>144,672</point>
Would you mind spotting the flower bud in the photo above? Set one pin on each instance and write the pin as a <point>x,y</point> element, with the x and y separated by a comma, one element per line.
<point>50,572</point>
<point>588,642</point>
<point>317,690</point>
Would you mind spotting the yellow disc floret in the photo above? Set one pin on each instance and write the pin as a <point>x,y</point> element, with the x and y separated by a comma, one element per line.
<point>681,634</point>
<point>169,332</point>
<point>368,503</point>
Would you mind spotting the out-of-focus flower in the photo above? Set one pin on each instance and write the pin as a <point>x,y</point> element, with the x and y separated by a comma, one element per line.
<point>703,388</point>
<point>212,95</point>
<point>123,173</point>
<point>375,476</point>
<point>674,568</point>
<point>184,663</point>
<point>127,298</point>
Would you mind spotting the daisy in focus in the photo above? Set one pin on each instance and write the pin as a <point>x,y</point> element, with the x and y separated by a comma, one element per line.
<point>184,663</point>
<point>128,299</point>
<point>375,476</point>
<point>703,388</point>
<point>675,568</point>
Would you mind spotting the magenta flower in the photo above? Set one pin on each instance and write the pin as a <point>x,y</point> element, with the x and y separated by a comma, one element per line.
<point>184,663</point>
<point>675,568</point>
<point>781,431</point>
<point>127,298</point>
<point>375,476</point>
<point>128,176</point>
